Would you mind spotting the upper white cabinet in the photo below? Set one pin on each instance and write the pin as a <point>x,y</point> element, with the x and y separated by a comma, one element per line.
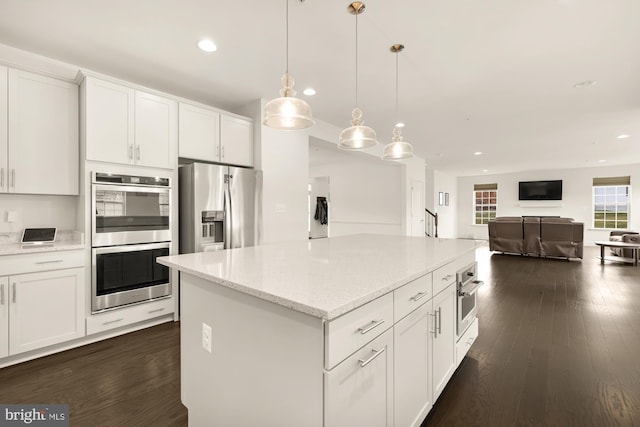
<point>205,134</point>
<point>125,125</point>
<point>236,141</point>
<point>199,133</point>
<point>4,161</point>
<point>38,134</point>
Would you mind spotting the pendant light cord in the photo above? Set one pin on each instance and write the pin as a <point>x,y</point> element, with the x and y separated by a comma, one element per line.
<point>287,35</point>
<point>357,58</point>
<point>397,113</point>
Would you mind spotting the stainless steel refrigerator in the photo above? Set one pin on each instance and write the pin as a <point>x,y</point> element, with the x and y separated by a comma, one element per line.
<point>220,207</point>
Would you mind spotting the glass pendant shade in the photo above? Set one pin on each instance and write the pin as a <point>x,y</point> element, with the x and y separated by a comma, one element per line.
<point>287,112</point>
<point>397,149</point>
<point>357,137</point>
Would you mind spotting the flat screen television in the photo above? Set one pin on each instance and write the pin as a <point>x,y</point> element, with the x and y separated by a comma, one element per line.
<point>540,190</point>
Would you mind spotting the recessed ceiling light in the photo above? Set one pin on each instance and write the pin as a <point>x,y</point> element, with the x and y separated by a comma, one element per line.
<point>602,161</point>
<point>207,45</point>
<point>309,91</point>
<point>485,170</point>
<point>400,124</point>
<point>477,153</point>
<point>622,136</point>
<point>585,83</point>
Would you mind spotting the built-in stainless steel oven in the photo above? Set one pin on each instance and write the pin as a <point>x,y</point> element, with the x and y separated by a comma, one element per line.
<point>131,227</point>
<point>467,308</point>
<point>129,209</point>
<point>128,274</point>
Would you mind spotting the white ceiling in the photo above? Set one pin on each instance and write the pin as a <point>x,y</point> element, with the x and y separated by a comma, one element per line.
<point>495,76</point>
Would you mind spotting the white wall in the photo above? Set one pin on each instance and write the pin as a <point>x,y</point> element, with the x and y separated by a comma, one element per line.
<point>37,211</point>
<point>576,200</point>
<point>447,215</point>
<point>365,196</point>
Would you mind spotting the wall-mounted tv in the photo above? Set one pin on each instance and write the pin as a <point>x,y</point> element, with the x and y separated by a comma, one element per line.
<point>540,190</point>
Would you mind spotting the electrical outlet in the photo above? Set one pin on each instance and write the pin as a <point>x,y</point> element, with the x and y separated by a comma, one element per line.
<point>206,337</point>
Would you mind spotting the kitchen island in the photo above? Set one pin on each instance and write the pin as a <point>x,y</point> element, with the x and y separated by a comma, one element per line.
<point>346,331</point>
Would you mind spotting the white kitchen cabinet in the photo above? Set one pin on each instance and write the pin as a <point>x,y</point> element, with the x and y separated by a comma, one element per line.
<point>236,141</point>
<point>155,130</point>
<point>45,308</point>
<point>444,338</point>
<point>109,116</point>
<point>412,367</point>
<point>359,391</point>
<point>199,133</point>
<point>4,317</point>
<point>129,126</point>
<point>39,126</point>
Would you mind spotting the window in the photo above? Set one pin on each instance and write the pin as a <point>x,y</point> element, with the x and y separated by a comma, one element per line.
<point>485,200</point>
<point>611,202</point>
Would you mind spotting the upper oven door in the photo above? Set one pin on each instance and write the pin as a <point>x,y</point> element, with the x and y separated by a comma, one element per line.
<point>125,214</point>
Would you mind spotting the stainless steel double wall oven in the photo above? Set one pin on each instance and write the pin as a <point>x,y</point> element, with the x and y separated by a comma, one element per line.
<point>130,228</point>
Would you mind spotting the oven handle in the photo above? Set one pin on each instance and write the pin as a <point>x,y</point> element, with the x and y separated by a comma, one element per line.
<point>130,248</point>
<point>470,288</point>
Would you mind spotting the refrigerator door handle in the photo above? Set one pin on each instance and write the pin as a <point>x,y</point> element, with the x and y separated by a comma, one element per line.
<point>227,212</point>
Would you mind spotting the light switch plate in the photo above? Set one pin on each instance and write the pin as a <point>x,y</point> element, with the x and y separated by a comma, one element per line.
<point>206,337</point>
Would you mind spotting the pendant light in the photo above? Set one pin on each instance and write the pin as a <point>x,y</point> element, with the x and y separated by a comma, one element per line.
<point>287,112</point>
<point>357,136</point>
<point>397,149</point>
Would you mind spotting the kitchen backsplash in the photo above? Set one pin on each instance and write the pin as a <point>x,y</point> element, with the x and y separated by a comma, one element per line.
<point>61,236</point>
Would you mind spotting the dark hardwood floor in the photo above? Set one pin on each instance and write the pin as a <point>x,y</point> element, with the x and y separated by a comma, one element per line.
<point>559,345</point>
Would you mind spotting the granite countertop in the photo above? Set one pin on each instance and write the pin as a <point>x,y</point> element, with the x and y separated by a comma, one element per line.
<point>65,241</point>
<point>324,277</point>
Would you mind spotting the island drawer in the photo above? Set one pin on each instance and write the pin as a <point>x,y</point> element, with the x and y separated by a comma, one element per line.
<point>446,275</point>
<point>351,331</point>
<point>411,296</point>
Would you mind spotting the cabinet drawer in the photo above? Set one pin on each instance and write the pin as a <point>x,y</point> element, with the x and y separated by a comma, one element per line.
<point>411,296</point>
<point>351,331</point>
<point>41,261</point>
<point>466,341</point>
<point>446,275</point>
<point>128,315</point>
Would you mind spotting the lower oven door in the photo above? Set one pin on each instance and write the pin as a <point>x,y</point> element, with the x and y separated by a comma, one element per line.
<point>128,274</point>
<point>467,305</point>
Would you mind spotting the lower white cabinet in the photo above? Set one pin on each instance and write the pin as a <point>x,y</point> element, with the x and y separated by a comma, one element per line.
<point>444,339</point>
<point>412,367</point>
<point>359,391</point>
<point>4,317</point>
<point>44,308</point>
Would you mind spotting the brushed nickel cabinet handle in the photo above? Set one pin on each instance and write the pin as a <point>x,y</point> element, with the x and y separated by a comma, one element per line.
<point>440,320</point>
<point>223,152</point>
<point>138,152</point>
<point>112,321</point>
<point>2,294</point>
<point>373,324</point>
<point>418,296</point>
<point>49,262</point>
<point>376,353</point>
<point>156,310</point>
<point>14,292</point>
<point>435,325</point>
<point>13,178</point>
<point>131,151</point>
<point>1,177</point>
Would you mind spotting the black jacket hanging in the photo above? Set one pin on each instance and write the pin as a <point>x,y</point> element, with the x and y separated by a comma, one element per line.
<point>322,210</point>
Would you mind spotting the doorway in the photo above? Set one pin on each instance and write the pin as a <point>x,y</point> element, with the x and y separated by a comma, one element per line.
<point>319,207</point>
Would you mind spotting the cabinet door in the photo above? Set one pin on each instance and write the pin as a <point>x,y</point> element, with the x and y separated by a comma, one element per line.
<point>236,140</point>
<point>109,110</point>
<point>4,317</point>
<point>359,391</point>
<point>155,131</point>
<point>199,133</point>
<point>45,308</point>
<point>412,367</point>
<point>43,134</point>
<point>444,358</point>
<point>4,168</point>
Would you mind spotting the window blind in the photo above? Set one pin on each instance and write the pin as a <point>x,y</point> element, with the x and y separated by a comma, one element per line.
<point>612,180</point>
<point>484,187</point>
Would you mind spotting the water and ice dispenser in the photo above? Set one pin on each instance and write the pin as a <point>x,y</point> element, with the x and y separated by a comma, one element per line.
<point>212,226</point>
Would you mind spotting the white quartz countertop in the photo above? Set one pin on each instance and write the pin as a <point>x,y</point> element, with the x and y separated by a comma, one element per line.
<point>324,277</point>
<point>65,241</point>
